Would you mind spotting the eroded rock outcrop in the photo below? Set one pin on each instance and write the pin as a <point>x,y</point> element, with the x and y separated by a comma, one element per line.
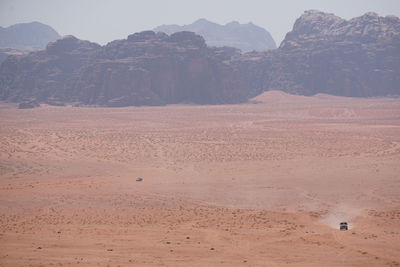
<point>144,69</point>
<point>47,74</point>
<point>326,54</point>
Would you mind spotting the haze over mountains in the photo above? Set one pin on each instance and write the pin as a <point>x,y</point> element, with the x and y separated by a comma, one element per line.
<point>322,54</point>
<point>247,37</point>
<point>25,37</point>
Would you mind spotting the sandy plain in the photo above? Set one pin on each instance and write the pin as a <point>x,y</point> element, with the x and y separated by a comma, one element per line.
<point>258,184</point>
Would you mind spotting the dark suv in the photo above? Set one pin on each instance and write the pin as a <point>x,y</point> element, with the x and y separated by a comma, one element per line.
<point>343,226</point>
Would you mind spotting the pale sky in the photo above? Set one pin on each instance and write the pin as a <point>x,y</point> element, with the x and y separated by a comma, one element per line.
<point>102,21</point>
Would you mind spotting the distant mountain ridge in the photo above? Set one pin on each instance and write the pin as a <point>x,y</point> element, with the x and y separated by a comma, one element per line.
<point>23,38</point>
<point>247,37</point>
<point>27,35</point>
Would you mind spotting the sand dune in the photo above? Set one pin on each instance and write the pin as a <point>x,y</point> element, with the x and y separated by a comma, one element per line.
<point>261,184</point>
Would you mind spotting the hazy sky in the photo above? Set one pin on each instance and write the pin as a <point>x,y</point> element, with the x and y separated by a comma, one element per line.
<point>102,21</point>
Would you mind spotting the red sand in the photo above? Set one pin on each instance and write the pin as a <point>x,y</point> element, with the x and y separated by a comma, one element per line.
<point>237,185</point>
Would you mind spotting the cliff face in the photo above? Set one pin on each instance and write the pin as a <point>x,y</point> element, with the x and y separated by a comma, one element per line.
<point>47,74</point>
<point>144,69</point>
<point>326,54</point>
<point>247,37</point>
<point>156,69</point>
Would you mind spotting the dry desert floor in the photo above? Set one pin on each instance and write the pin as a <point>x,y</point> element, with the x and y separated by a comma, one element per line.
<point>259,184</point>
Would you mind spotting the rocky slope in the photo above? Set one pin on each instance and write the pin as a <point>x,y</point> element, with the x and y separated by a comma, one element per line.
<point>326,54</point>
<point>144,69</point>
<point>247,37</point>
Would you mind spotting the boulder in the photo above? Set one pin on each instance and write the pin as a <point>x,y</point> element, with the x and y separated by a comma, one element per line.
<point>28,104</point>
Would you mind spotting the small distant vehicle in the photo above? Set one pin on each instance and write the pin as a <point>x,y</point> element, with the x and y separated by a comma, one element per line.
<point>343,226</point>
<point>139,179</point>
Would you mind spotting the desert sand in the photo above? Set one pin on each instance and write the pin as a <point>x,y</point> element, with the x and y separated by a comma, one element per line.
<point>259,184</point>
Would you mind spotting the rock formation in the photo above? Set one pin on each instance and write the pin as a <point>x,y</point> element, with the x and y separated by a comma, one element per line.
<point>326,54</point>
<point>322,54</point>
<point>247,37</point>
<point>28,105</point>
<point>144,69</point>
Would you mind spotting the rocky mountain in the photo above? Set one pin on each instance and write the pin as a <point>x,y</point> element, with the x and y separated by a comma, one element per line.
<point>144,69</point>
<point>322,54</point>
<point>23,38</point>
<point>327,54</point>
<point>27,35</point>
<point>247,37</point>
